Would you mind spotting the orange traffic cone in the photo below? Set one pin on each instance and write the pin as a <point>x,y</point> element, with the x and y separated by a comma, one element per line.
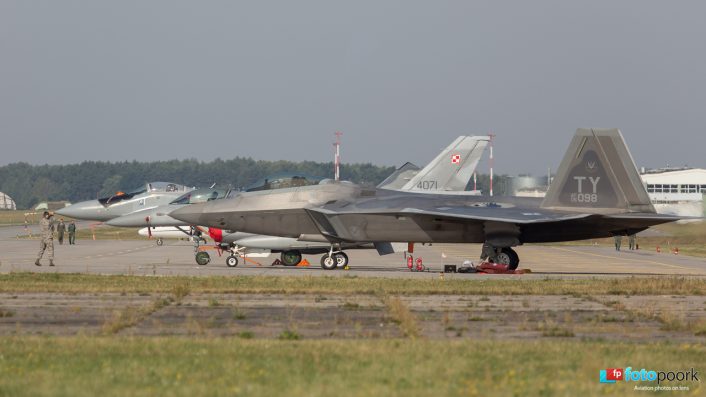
<point>303,263</point>
<point>659,249</point>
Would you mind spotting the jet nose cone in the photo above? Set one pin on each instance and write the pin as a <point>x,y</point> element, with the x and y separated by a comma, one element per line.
<point>87,210</point>
<point>190,214</point>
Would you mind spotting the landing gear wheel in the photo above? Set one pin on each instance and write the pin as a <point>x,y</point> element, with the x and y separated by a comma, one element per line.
<point>341,259</point>
<point>329,262</point>
<point>202,258</point>
<point>291,258</point>
<point>160,242</point>
<point>232,261</point>
<point>509,257</point>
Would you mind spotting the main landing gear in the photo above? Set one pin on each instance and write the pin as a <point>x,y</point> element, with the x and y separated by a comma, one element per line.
<point>291,257</point>
<point>203,258</point>
<point>501,255</point>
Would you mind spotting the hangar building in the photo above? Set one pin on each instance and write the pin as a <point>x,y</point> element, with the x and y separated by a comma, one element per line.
<point>677,191</point>
<point>6,202</point>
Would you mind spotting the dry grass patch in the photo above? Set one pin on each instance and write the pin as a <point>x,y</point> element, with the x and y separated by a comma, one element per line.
<point>401,315</point>
<point>184,285</point>
<point>131,316</point>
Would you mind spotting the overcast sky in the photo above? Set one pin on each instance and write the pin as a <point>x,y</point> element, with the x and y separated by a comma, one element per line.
<point>149,80</point>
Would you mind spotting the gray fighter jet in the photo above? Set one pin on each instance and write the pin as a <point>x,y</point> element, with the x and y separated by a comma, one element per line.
<point>449,172</point>
<point>596,193</point>
<point>150,196</point>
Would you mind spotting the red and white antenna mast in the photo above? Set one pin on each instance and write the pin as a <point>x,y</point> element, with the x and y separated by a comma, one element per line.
<point>337,157</point>
<point>490,162</point>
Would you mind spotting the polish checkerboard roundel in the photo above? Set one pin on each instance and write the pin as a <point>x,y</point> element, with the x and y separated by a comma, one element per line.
<point>456,159</point>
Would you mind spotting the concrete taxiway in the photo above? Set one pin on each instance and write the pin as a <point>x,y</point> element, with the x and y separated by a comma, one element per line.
<point>144,257</point>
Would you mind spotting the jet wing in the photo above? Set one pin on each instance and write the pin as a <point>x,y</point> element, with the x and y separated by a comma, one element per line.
<point>509,215</point>
<point>366,225</point>
<point>655,216</point>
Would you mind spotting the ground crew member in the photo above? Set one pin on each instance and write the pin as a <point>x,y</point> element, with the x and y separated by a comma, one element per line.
<point>60,229</point>
<point>72,233</point>
<point>46,235</point>
<point>618,241</point>
<point>631,241</point>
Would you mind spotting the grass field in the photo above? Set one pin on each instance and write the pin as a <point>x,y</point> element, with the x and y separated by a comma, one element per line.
<point>78,283</point>
<point>109,233</point>
<point>101,233</point>
<point>18,217</point>
<point>202,364</point>
<point>89,366</point>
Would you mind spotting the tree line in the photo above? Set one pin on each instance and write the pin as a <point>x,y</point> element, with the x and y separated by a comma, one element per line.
<point>30,184</point>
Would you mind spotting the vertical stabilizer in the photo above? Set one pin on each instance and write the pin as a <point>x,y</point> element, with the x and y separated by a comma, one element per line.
<point>400,177</point>
<point>598,175</point>
<point>452,168</point>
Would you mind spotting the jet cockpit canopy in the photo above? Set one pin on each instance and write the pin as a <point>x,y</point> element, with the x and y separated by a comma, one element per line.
<point>166,187</point>
<point>201,196</point>
<point>152,187</point>
<point>282,181</point>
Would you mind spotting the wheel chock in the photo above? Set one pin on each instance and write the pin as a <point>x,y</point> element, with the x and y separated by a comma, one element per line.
<point>497,268</point>
<point>277,262</point>
<point>303,263</point>
<point>246,260</point>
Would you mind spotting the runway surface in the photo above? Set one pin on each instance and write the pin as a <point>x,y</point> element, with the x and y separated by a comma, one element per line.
<point>144,257</point>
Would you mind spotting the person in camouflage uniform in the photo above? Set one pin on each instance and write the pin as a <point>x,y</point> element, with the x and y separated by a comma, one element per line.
<point>46,242</point>
<point>60,230</point>
<point>72,233</point>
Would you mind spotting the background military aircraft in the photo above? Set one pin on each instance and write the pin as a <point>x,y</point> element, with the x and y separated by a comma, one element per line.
<point>150,196</point>
<point>597,192</point>
<point>449,172</point>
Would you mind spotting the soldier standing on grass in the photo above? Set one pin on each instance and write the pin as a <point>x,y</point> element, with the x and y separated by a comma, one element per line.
<point>61,229</point>
<point>72,233</point>
<point>46,242</point>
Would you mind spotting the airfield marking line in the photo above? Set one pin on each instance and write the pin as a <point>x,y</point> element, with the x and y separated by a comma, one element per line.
<point>626,259</point>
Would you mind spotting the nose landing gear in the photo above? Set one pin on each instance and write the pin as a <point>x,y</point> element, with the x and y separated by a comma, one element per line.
<point>331,261</point>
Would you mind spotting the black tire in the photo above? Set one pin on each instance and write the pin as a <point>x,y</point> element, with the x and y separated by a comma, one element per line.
<point>328,262</point>
<point>232,261</point>
<point>514,258</point>
<point>160,242</point>
<point>202,258</point>
<point>291,258</point>
<point>341,259</point>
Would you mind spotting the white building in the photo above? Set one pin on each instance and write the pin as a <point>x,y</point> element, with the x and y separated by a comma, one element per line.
<point>6,202</point>
<point>677,191</point>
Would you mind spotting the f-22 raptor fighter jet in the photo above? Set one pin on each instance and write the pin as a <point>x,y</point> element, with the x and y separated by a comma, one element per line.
<point>449,172</point>
<point>596,193</point>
